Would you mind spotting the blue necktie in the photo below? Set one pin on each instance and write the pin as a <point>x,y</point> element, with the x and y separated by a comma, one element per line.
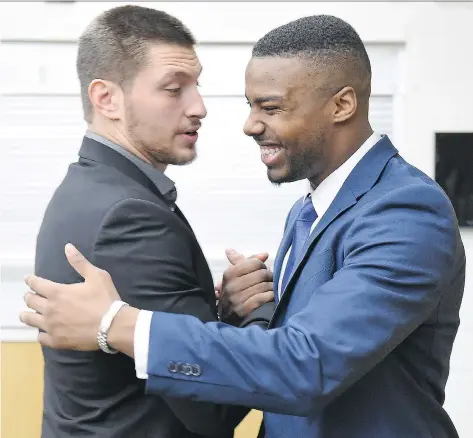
<point>305,219</point>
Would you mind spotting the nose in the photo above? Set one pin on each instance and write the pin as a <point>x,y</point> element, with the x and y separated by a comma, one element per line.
<point>196,106</point>
<point>253,127</point>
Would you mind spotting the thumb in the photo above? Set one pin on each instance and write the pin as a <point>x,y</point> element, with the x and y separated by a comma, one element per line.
<point>263,256</point>
<point>78,261</point>
<point>233,256</point>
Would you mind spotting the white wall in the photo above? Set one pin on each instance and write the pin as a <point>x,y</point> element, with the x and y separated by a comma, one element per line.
<point>223,191</point>
<point>422,69</point>
<point>438,96</point>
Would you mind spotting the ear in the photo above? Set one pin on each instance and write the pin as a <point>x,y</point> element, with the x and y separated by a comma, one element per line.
<point>106,98</point>
<point>345,104</point>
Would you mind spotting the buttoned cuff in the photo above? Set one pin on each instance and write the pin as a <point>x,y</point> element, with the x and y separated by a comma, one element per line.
<point>141,343</point>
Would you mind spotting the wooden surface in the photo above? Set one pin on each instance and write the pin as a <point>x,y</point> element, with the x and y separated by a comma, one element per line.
<point>22,392</point>
<point>249,427</point>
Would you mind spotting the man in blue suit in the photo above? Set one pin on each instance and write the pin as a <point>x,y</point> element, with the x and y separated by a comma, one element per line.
<point>368,278</point>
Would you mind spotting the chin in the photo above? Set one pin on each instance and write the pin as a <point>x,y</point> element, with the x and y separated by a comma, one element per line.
<point>186,158</point>
<point>279,176</point>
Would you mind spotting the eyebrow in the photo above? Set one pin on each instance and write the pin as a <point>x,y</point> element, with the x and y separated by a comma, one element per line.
<point>266,99</point>
<point>174,73</point>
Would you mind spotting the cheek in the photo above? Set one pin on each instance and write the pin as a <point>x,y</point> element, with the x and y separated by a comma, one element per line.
<point>290,130</point>
<point>293,132</point>
<point>154,108</point>
<point>156,118</point>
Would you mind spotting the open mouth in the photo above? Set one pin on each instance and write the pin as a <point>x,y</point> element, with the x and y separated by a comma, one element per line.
<point>268,151</point>
<point>270,154</point>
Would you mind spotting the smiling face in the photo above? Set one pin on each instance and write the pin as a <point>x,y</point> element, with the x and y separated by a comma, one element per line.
<point>290,117</point>
<point>163,107</point>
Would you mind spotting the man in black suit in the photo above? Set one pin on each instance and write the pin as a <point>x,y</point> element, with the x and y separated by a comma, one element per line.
<point>138,73</point>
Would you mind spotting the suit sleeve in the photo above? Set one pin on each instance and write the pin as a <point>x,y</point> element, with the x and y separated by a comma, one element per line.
<point>399,255</point>
<point>147,251</point>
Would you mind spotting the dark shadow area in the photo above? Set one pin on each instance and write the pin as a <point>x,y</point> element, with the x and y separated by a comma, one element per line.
<point>454,172</point>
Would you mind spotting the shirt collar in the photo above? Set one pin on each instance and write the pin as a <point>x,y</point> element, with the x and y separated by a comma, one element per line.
<point>164,184</point>
<point>328,189</point>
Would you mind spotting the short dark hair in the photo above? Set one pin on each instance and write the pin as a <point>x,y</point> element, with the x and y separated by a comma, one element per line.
<point>115,45</point>
<point>329,40</point>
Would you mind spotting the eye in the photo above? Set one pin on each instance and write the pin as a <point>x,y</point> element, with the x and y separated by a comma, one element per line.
<point>270,108</point>
<point>173,90</point>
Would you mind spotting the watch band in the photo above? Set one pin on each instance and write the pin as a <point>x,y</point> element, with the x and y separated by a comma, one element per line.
<point>105,324</point>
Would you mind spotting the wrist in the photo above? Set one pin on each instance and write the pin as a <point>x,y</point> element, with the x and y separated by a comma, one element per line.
<point>122,330</point>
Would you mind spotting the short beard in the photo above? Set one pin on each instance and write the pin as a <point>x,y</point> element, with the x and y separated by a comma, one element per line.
<point>155,156</point>
<point>301,165</point>
<point>162,157</point>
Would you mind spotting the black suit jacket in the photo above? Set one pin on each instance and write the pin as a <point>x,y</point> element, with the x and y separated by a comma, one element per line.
<point>119,220</point>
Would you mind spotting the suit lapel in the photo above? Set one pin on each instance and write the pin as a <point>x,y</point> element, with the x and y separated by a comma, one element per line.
<point>363,177</point>
<point>202,268</point>
<point>98,152</point>
<point>343,201</point>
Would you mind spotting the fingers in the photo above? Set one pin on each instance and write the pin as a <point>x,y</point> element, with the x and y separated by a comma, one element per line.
<point>36,302</point>
<point>40,285</point>
<point>240,301</point>
<point>75,258</point>
<point>249,293</point>
<point>242,268</point>
<point>263,256</point>
<point>45,340</point>
<point>36,320</point>
<point>248,280</point>
<point>254,302</point>
<point>33,320</point>
<point>234,257</point>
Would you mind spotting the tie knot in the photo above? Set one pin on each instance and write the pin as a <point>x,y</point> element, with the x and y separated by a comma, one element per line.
<point>307,212</point>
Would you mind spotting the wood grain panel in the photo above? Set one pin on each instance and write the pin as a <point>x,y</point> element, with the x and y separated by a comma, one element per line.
<point>22,392</point>
<point>22,389</point>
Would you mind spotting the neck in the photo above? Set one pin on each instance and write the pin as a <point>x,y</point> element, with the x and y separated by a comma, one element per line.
<point>117,137</point>
<point>342,145</point>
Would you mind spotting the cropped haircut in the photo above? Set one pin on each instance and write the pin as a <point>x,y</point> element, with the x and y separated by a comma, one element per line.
<point>115,45</point>
<point>331,43</point>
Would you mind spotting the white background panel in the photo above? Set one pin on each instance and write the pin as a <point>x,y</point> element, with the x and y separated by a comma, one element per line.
<point>49,68</point>
<point>225,193</point>
<point>226,186</point>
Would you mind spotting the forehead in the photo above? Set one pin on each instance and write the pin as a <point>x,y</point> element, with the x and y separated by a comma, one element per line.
<point>171,58</point>
<point>279,74</point>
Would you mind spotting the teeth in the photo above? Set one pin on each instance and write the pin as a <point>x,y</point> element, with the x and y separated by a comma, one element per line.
<point>266,152</point>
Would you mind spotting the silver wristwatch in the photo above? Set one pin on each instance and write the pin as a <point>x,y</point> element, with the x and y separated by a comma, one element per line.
<point>105,324</point>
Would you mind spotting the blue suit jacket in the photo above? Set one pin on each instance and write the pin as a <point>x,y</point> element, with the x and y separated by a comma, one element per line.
<point>360,342</point>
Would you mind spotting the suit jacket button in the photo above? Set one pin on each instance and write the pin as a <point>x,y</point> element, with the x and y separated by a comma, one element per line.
<point>172,367</point>
<point>186,369</point>
<point>196,371</point>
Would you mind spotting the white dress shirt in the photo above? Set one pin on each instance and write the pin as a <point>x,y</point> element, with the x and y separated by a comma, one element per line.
<point>322,197</point>
<point>325,193</point>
